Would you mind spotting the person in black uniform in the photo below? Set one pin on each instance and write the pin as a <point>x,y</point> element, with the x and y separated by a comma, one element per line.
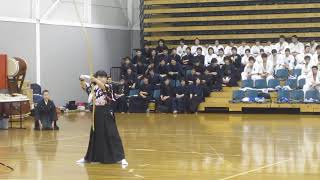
<point>175,56</point>
<point>141,69</point>
<point>146,51</point>
<point>155,79</point>
<point>165,56</point>
<point>236,61</point>
<point>207,83</point>
<point>46,114</point>
<point>166,97</point>
<point>196,95</point>
<point>215,72</point>
<point>181,102</point>
<point>125,66</point>
<point>199,57</point>
<point>131,79</point>
<point>161,46</point>
<point>187,60</point>
<point>153,58</point>
<point>228,73</point>
<point>138,57</point>
<point>192,77</point>
<point>120,94</point>
<point>105,145</point>
<point>200,68</point>
<point>174,70</point>
<point>139,104</point>
<point>162,69</point>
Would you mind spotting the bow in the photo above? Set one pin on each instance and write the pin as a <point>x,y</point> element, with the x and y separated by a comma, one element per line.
<point>89,55</point>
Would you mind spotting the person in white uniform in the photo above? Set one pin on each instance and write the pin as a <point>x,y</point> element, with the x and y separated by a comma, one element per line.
<point>242,49</point>
<point>265,69</point>
<point>255,49</point>
<point>305,68</point>
<point>228,49</point>
<point>245,58</point>
<point>250,70</point>
<point>296,47</point>
<point>196,46</point>
<point>216,47</point>
<point>312,80</point>
<point>182,48</point>
<point>282,45</point>
<point>209,57</point>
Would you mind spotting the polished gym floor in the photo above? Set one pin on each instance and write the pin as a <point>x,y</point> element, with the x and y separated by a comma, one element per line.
<point>163,147</point>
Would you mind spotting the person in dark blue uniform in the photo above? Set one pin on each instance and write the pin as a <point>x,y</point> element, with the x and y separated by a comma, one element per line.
<point>228,73</point>
<point>175,56</point>
<point>154,79</point>
<point>46,114</point>
<point>121,91</point>
<point>181,102</point>
<point>196,95</point>
<point>199,57</point>
<point>166,97</point>
<point>138,57</point>
<point>187,60</point>
<point>214,71</point>
<point>162,69</point>
<point>131,79</point>
<point>139,104</point>
<point>174,70</point>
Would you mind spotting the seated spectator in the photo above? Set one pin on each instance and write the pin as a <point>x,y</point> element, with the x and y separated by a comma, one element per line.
<point>236,61</point>
<point>167,96</point>
<point>165,56</point>
<point>162,69</point>
<point>139,104</point>
<point>192,77</point>
<point>121,91</point>
<point>312,80</point>
<point>181,101</point>
<point>182,48</point>
<point>146,51</point>
<point>228,73</point>
<point>209,56</point>
<point>154,79</point>
<point>138,57</point>
<point>198,67</point>
<point>217,46</point>
<point>250,70</point>
<point>174,70</point>
<point>214,71</point>
<point>221,57</point>
<point>255,49</point>
<point>153,58</point>
<point>161,47</point>
<point>289,60</point>
<point>243,48</point>
<point>228,48</point>
<point>175,56</point>
<point>196,95</point>
<point>306,68</point>
<point>141,69</point>
<point>198,56</point>
<point>130,79</point>
<point>195,47</point>
<point>245,58</point>
<point>282,45</point>
<point>187,60</point>
<point>125,66</point>
<point>265,69</point>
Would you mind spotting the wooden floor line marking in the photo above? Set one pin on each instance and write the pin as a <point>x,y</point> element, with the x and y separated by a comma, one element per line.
<point>254,170</point>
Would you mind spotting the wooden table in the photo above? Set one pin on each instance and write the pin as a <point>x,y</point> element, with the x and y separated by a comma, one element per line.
<point>10,106</point>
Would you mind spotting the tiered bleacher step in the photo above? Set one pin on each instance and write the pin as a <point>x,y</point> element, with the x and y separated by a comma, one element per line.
<point>221,100</point>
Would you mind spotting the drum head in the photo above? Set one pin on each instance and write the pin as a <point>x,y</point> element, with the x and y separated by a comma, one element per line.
<point>12,67</point>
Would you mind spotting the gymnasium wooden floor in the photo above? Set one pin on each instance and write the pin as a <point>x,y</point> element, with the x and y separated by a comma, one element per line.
<point>158,146</point>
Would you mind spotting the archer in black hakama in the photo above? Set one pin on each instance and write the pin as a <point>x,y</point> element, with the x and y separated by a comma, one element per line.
<point>105,145</point>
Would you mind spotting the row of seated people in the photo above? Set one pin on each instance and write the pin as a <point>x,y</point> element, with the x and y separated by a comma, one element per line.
<point>295,47</point>
<point>171,96</point>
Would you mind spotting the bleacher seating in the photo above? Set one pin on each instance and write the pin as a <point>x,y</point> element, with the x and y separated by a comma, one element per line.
<point>227,20</point>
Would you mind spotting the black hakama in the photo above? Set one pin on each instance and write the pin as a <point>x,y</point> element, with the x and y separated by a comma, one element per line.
<point>105,145</point>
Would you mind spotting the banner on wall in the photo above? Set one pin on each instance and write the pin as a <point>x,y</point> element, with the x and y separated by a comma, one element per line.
<point>3,71</point>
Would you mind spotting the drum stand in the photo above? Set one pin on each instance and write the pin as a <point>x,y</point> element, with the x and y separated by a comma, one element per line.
<point>15,84</point>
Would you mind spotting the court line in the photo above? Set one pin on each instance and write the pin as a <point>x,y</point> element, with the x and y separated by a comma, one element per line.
<point>254,170</point>
<point>137,175</point>
<point>222,158</point>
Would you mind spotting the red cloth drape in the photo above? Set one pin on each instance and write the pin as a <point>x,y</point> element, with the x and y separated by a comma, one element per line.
<point>3,71</point>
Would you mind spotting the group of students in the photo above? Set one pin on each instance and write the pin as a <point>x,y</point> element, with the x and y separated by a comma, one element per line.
<point>203,69</point>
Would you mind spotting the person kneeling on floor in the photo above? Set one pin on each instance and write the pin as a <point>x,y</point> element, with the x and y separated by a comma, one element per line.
<point>45,114</point>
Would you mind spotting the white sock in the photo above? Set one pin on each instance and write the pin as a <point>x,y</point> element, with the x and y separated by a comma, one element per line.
<point>81,161</point>
<point>124,162</point>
